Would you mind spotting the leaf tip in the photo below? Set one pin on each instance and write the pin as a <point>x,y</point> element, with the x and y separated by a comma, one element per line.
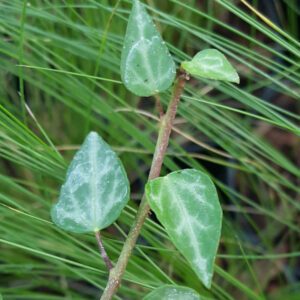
<point>207,282</point>
<point>93,134</point>
<point>236,78</point>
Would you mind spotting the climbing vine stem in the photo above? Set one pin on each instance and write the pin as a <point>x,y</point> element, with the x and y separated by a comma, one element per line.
<point>166,123</point>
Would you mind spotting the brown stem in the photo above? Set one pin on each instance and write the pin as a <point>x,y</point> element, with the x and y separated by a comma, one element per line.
<point>103,253</point>
<point>166,124</point>
<point>159,106</point>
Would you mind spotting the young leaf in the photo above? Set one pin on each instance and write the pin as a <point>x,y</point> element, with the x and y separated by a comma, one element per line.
<point>95,191</point>
<point>186,203</point>
<point>173,292</point>
<point>211,64</point>
<point>147,67</point>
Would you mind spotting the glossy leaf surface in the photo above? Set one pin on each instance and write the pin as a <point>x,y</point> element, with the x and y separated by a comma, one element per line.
<point>147,67</point>
<point>95,191</point>
<point>173,292</point>
<point>211,64</point>
<point>186,203</point>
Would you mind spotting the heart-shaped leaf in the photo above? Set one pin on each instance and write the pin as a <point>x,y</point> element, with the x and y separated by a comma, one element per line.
<point>173,292</point>
<point>147,67</point>
<point>211,64</point>
<point>187,205</point>
<point>95,191</point>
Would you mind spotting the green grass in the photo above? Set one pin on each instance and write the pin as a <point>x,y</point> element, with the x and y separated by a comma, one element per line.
<point>62,58</point>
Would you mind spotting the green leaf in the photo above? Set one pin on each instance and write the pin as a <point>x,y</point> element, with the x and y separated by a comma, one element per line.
<point>186,203</point>
<point>147,67</point>
<point>173,292</point>
<point>95,191</point>
<point>211,64</point>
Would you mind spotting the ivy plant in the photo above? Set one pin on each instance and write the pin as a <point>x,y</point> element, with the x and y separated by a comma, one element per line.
<point>186,202</point>
<point>147,67</point>
<point>172,292</point>
<point>95,191</point>
<point>211,64</point>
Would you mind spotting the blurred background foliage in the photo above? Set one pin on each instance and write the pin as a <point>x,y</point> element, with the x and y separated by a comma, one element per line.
<point>59,79</point>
